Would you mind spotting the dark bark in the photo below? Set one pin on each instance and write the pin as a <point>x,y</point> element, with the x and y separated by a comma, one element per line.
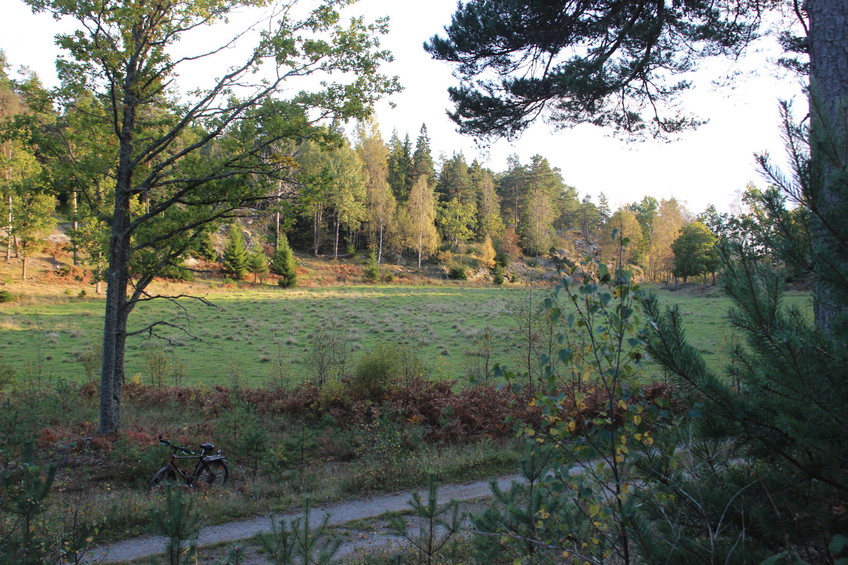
<point>828,47</point>
<point>117,278</point>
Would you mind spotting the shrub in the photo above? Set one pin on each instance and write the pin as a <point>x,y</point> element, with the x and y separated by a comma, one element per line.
<point>6,296</point>
<point>7,376</point>
<point>458,273</point>
<point>328,349</point>
<point>376,369</point>
<point>498,275</point>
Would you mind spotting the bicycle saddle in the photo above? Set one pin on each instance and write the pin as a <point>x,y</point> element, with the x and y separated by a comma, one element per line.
<point>207,446</point>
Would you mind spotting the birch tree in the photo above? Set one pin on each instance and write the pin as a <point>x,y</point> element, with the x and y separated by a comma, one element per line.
<point>419,221</point>
<point>382,205</point>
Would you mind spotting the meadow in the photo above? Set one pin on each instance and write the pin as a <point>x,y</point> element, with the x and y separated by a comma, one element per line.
<point>286,442</point>
<point>256,335</point>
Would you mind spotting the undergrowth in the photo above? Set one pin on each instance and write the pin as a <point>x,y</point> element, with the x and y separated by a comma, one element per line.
<point>281,444</point>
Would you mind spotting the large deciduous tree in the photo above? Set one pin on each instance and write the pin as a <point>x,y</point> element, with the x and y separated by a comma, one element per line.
<point>182,163</point>
<point>695,251</point>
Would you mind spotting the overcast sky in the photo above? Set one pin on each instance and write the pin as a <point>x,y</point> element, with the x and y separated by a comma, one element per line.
<point>707,166</point>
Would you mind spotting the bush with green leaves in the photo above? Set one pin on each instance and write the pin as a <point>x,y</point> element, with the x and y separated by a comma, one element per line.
<point>383,449</point>
<point>381,366</point>
<point>328,352</point>
<point>177,273</point>
<point>498,274</point>
<point>458,273</point>
<point>6,296</point>
<point>245,434</point>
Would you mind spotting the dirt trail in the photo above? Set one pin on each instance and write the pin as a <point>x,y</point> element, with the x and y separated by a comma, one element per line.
<point>340,513</point>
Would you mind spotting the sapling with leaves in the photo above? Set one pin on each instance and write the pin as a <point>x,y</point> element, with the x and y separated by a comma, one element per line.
<point>593,420</point>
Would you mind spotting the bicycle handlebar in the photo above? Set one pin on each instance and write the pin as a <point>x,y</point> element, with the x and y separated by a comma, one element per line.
<point>164,441</point>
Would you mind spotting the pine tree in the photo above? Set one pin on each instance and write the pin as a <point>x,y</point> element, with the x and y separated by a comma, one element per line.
<point>284,263</point>
<point>490,222</point>
<point>234,262</point>
<point>769,435</point>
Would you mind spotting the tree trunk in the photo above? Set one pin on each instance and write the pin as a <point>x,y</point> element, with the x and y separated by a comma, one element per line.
<point>115,319</point>
<point>9,235</point>
<point>380,245</point>
<point>74,225</point>
<point>829,113</point>
<point>316,233</point>
<point>117,277</point>
<point>336,226</point>
<point>420,247</point>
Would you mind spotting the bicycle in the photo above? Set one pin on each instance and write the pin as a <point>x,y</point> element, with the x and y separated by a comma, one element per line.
<point>210,468</point>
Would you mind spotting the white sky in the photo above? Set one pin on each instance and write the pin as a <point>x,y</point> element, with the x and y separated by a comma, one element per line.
<point>707,166</point>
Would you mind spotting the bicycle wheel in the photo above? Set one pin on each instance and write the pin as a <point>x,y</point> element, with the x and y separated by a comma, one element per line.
<point>163,475</point>
<point>215,473</point>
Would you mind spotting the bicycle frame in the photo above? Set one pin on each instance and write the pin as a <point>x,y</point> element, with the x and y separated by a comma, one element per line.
<point>207,463</point>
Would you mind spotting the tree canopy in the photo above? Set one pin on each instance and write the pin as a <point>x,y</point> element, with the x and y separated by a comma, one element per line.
<point>609,63</point>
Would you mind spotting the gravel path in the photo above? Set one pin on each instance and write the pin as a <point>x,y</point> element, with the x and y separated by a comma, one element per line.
<point>340,513</point>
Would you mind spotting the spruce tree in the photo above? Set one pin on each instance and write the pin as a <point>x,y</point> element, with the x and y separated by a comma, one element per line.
<point>235,253</point>
<point>257,264</point>
<point>284,263</point>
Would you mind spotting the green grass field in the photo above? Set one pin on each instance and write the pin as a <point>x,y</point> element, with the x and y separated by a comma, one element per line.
<point>256,335</point>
